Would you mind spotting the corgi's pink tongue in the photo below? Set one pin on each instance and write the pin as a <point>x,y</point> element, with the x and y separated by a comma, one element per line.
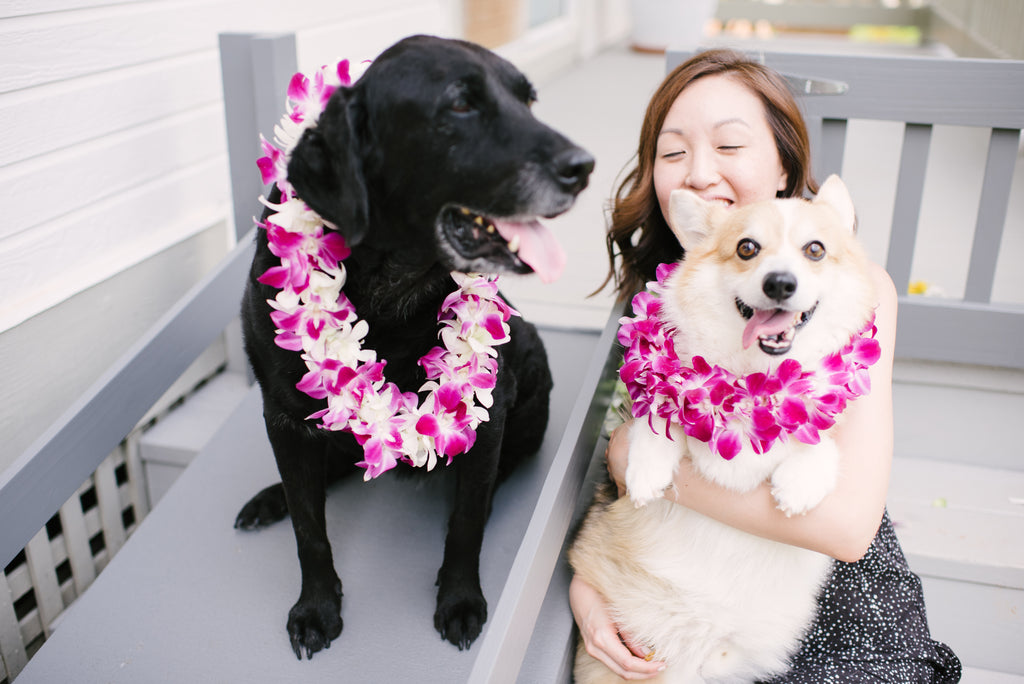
<point>766,322</point>
<point>536,246</point>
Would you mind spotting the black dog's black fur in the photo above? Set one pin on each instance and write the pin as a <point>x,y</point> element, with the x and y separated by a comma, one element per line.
<point>432,126</point>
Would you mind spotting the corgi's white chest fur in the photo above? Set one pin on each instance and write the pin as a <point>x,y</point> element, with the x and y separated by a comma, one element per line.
<point>759,284</point>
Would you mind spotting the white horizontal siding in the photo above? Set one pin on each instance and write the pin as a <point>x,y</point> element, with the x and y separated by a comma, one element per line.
<point>113,169</point>
<point>109,166</point>
<point>51,117</point>
<point>43,266</point>
<point>112,142</point>
<point>44,48</point>
<point>18,8</point>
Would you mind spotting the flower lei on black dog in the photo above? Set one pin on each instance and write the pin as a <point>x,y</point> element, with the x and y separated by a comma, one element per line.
<point>715,406</point>
<point>313,316</point>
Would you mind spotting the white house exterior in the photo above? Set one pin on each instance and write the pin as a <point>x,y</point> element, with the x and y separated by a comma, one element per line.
<point>113,158</point>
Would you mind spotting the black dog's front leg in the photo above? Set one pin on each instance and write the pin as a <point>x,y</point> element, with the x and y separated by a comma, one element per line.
<point>315,619</point>
<point>461,607</point>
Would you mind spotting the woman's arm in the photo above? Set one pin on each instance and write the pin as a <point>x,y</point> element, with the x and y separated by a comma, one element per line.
<point>844,523</point>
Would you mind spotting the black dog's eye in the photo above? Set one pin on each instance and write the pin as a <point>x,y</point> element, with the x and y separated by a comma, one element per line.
<point>815,251</point>
<point>462,97</point>
<point>461,105</point>
<point>747,249</point>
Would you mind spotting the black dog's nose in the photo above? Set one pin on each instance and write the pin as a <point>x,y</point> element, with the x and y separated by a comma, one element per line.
<point>573,168</point>
<point>779,285</point>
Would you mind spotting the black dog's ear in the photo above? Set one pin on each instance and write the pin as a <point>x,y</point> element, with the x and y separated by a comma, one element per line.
<point>326,171</point>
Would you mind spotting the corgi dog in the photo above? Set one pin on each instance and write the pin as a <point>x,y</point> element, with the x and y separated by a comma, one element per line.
<point>761,284</point>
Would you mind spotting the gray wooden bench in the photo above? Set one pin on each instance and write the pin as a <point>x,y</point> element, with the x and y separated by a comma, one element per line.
<point>190,599</point>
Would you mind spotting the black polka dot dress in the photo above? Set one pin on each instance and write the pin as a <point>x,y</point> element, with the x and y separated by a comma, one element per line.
<point>871,626</point>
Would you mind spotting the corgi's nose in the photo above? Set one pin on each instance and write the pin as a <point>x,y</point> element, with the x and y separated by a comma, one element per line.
<point>779,285</point>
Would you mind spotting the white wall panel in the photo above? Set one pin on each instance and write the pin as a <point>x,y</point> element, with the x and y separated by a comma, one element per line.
<point>44,266</point>
<point>108,166</point>
<point>113,170</point>
<point>47,118</point>
<point>17,8</point>
<point>45,48</point>
<point>111,132</point>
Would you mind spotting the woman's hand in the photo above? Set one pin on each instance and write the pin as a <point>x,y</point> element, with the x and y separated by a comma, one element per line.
<point>601,638</point>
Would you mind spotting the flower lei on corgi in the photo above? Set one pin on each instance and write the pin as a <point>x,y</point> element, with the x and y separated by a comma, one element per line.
<point>715,406</point>
<point>313,316</point>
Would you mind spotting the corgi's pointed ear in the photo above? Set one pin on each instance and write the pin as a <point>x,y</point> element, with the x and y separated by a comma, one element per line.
<point>833,192</point>
<point>689,217</point>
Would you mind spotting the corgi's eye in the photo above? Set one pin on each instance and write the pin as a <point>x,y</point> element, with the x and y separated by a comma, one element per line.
<point>747,249</point>
<point>815,251</point>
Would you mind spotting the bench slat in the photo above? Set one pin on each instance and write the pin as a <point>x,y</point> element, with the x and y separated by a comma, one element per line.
<point>956,92</point>
<point>909,189</point>
<point>945,330</point>
<point>833,143</point>
<point>995,196</point>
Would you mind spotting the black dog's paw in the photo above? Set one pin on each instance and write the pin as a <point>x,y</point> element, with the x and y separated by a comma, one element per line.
<point>264,509</point>
<point>314,623</point>
<point>460,616</point>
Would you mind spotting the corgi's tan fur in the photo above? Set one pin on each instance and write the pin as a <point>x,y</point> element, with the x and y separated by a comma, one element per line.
<point>776,280</point>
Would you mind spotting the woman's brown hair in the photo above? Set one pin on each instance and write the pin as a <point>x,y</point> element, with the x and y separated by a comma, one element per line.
<point>638,233</point>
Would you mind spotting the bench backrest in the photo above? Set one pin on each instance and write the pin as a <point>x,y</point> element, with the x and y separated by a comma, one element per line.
<point>921,93</point>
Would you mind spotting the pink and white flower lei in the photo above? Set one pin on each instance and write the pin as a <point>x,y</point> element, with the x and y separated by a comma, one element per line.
<point>313,316</point>
<point>715,406</point>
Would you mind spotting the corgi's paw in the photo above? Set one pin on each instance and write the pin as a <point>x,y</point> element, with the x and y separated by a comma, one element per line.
<point>803,479</point>
<point>646,484</point>
<point>796,500</point>
<point>652,463</point>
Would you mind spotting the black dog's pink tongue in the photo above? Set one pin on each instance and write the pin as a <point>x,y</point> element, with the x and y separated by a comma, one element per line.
<point>536,246</point>
<point>766,322</point>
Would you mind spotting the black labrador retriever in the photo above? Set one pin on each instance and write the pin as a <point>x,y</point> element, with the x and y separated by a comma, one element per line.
<point>435,140</point>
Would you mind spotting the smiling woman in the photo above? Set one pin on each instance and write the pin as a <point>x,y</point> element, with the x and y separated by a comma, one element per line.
<point>762,103</point>
<point>725,132</point>
<point>701,150</point>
